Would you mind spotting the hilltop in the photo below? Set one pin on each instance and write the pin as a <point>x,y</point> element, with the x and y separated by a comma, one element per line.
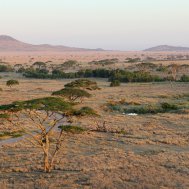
<point>9,44</point>
<point>167,48</point>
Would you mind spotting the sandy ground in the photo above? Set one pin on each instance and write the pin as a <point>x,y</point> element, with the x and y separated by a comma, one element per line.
<point>153,152</point>
<point>58,58</point>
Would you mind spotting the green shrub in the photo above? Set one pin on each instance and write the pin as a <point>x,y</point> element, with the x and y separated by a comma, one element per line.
<point>132,60</point>
<point>72,129</point>
<point>12,82</point>
<point>105,62</point>
<point>115,108</point>
<point>85,111</point>
<point>147,109</point>
<point>4,116</point>
<point>152,108</point>
<point>167,106</point>
<point>69,64</point>
<point>83,83</point>
<point>146,65</point>
<point>184,78</point>
<point>5,68</point>
<point>115,83</point>
<point>39,65</point>
<point>14,134</point>
<point>162,69</point>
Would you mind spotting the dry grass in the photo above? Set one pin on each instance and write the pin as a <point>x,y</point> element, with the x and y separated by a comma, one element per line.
<point>151,153</point>
<point>58,58</point>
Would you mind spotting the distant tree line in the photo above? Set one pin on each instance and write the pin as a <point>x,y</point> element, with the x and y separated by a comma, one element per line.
<point>40,71</point>
<point>111,75</point>
<point>5,68</point>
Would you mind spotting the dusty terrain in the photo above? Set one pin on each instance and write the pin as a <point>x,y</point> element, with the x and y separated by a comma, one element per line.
<point>82,56</point>
<point>151,153</point>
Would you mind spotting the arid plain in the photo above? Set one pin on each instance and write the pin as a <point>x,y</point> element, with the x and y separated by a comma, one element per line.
<point>143,151</point>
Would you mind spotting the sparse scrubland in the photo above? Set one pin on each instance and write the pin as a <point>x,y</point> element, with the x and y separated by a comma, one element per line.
<point>110,122</point>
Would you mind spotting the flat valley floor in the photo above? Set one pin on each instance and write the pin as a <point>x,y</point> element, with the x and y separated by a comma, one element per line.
<point>151,153</point>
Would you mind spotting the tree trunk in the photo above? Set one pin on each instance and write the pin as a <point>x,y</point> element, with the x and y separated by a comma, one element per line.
<point>46,163</point>
<point>46,155</point>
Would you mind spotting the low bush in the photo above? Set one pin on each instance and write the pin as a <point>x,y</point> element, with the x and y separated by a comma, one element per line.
<point>12,82</point>
<point>85,111</point>
<point>144,109</point>
<point>115,83</point>
<point>167,106</point>
<point>162,69</point>
<point>132,60</point>
<point>69,64</point>
<point>5,68</point>
<point>184,78</point>
<point>105,62</point>
<point>147,109</point>
<point>83,83</point>
<point>72,129</point>
<point>13,134</point>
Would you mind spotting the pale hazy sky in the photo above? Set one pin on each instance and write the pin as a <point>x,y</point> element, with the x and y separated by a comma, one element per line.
<point>108,24</point>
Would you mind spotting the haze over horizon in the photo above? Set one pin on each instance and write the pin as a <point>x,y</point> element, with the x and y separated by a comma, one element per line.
<point>107,24</point>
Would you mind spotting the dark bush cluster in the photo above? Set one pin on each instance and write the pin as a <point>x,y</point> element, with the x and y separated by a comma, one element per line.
<point>12,82</point>
<point>5,68</point>
<point>145,108</point>
<point>120,75</point>
<point>85,111</point>
<point>105,62</point>
<point>69,64</point>
<point>84,84</point>
<point>72,94</point>
<point>112,75</point>
<point>153,109</point>
<point>58,74</point>
<point>115,83</point>
<point>137,76</point>
<point>184,78</point>
<point>36,73</point>
<point>132,60</point>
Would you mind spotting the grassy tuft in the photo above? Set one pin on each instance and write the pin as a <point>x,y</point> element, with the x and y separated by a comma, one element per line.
<point>72,129</point>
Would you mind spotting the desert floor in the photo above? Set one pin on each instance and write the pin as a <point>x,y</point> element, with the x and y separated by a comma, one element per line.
<point>13,58</point>
<point>152,153</point>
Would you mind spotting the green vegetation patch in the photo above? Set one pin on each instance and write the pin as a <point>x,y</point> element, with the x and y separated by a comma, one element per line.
<point>72,129</point>
<point>13,134</point>
<point>54,104</point>
<point>5,68</point>
<point>184,78</point>
<point>172,107</point>
<point>152,108</point>
<point>69,64</point>
<point>72,93</point>
<point>4,116</point>
<point>85,111</point>
<point>12,82</point>
<point>105,62</point>
<point>83,83</point>
<point>115,83</point>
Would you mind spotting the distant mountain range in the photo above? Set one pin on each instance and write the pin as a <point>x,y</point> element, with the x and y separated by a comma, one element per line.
<point>167,48</point>
<point>9,44</point>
